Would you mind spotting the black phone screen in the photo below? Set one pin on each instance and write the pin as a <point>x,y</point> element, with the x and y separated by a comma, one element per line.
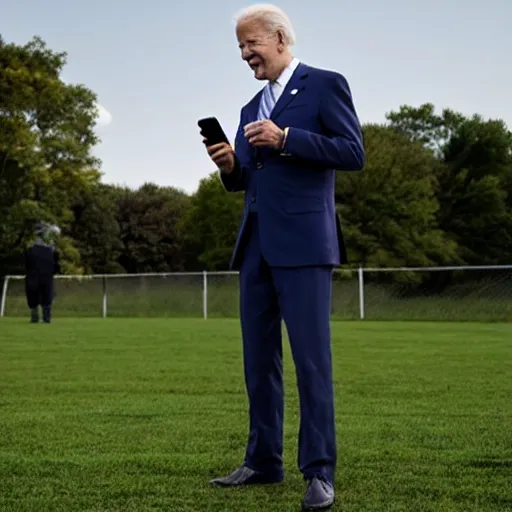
<point>212,131</point>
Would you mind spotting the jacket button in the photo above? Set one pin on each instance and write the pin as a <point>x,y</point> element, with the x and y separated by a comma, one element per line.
<point>259,165</point>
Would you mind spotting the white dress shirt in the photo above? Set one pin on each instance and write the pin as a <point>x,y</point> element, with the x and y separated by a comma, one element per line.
<point>279,85</point>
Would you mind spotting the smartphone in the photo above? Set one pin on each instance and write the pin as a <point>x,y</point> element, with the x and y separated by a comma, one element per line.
<point>212,131</point>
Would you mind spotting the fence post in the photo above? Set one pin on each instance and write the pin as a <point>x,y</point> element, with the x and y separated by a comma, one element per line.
<point>205,294</point>
<point>104,305</point>
<point>4,296</point>
<point>361,293</point>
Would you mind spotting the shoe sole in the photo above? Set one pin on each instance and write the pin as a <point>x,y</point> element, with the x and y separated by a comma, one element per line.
<point>324,506</point>
<point>257,482</point>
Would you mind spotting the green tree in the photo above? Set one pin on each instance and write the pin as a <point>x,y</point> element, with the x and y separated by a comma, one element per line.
<point>389,211</point>
<point>151,233</point>
<point>96,229</point>
<point>211,225</point>
<point>46,137</point>
<point>473,179</point>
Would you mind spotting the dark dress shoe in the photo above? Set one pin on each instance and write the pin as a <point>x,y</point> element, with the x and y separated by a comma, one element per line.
<point>246,476</point>
<point>319,495</point>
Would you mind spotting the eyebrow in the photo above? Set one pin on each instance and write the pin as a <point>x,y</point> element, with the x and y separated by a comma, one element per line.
<point>248,41</point>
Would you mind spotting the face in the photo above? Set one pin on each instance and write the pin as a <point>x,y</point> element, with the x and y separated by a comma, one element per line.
<point>263,51</point>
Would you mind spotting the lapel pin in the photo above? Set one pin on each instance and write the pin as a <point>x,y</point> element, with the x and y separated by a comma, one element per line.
<point>295,91</point>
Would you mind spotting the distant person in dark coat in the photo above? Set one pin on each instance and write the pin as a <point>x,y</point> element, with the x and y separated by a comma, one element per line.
<point>42,261</point>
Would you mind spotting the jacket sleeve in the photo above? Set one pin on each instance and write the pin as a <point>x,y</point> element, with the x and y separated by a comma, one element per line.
<point>236,181</point>
<point>26,254</point>
<point>56,262</point>
<point>341,146</point>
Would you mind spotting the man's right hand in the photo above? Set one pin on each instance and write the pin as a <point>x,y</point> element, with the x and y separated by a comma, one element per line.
<point>223,156</point>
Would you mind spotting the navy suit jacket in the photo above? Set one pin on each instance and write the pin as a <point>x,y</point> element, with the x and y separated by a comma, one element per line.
<point>42,260</point>
<point>294,187</point>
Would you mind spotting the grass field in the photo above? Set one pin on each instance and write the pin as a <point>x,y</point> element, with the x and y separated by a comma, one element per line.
<point>137,415</point>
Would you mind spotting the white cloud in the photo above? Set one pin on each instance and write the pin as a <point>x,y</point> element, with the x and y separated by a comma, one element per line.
<point>105,117</point>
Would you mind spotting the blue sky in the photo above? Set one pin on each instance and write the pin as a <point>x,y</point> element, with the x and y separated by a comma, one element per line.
<point>159,66</point>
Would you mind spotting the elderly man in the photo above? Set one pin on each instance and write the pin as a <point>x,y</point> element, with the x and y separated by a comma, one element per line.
<point>293,135</point>
<point>42,262</point>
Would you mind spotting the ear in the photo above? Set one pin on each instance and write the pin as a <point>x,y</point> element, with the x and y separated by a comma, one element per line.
<point>281,39</point>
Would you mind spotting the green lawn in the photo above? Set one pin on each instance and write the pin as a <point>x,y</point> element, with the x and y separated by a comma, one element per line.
<point>137,415</point>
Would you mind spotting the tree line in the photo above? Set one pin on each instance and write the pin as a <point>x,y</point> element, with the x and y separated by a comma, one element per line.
<point>436,189</point>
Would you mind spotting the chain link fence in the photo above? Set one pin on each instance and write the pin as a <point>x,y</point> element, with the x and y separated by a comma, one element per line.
<point>435,293</point>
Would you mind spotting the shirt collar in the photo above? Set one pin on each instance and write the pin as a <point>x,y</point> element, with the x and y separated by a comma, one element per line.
<point>287,73</point>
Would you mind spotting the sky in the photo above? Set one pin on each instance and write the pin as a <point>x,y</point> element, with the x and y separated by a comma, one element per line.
<point>157,67</point>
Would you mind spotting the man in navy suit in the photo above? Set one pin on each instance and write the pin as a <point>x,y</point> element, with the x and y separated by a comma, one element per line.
<point>292,137</point>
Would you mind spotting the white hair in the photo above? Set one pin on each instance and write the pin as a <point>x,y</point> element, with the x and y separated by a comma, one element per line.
<point>46,229</point>
<point>54,229</point>
<point>272,16</point>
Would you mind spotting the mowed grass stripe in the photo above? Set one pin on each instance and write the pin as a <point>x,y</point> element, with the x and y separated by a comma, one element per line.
<point>138,415</point>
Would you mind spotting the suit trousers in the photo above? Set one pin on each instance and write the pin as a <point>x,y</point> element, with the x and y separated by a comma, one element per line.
<point>39,291</point>
<point>301,297</point>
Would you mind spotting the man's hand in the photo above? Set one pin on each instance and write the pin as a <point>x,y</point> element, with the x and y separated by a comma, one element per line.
<point>264,133</point>
<point>222,155</point>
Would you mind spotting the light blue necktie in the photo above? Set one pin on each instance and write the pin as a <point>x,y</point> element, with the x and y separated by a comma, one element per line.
<point>267,102</point>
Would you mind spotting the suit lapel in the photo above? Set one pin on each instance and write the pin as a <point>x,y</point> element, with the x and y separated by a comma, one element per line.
<point>296,82</point>
<point>293,89</point>
<point>252,115</point>
<point>253,106</point>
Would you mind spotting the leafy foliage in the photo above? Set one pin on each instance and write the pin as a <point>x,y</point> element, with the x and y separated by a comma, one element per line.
<point>390,209</point>
<point>211,225</point>
<point>436,190</point>
<point>46,138</point>
<point>473,179</point>
<point>149,220</point>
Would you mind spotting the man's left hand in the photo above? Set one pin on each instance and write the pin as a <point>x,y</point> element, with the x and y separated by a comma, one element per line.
<point>264,133</point>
